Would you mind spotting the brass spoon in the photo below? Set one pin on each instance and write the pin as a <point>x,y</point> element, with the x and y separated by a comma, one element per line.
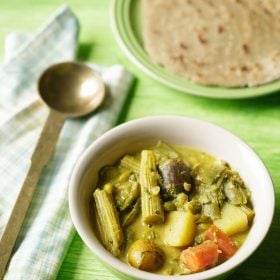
<point>69,89</point>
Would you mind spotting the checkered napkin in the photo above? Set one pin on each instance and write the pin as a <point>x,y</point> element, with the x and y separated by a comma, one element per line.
<point>47,230</point>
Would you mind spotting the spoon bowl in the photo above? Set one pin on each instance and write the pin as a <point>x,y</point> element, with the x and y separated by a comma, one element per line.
<point>71,88</point>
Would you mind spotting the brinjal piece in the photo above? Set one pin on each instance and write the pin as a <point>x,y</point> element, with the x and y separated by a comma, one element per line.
<point>176,177</point>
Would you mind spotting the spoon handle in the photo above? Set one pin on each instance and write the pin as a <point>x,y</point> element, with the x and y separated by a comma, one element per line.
<point>39,160</point>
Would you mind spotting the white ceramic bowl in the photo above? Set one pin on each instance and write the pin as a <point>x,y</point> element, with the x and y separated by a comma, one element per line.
<point>135,135</point>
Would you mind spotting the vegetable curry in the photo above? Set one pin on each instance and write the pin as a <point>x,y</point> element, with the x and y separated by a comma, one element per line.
<point>172,210</point>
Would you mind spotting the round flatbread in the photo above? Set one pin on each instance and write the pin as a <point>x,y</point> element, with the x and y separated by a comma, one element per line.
<point>228,43</point>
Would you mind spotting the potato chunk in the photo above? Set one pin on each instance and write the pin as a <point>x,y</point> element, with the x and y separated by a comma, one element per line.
<point>233,220</point>
<point>179,228</point>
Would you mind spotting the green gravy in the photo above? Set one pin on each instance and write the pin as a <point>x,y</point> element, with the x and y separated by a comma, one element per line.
<point>213,184</point>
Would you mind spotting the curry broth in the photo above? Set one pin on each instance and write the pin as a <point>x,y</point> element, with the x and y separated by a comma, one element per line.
<point>137,229</point>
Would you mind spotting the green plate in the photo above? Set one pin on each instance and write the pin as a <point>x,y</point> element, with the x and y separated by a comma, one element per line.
<point>127,28</point>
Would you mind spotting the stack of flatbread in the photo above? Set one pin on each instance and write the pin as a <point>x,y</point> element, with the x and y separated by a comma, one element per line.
<point>229,43</point>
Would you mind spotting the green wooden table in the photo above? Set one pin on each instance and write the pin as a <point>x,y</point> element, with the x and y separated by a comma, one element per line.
<point>257,121</point>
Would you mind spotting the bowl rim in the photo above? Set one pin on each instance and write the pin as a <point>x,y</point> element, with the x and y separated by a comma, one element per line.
<point>81,167</point>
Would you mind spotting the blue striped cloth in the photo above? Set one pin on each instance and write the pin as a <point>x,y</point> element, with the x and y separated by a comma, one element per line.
<point>47,230</point>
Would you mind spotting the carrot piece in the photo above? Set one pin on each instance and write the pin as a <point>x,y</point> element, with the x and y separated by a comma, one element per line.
<point>200,257</point>
<point>225,244</point>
